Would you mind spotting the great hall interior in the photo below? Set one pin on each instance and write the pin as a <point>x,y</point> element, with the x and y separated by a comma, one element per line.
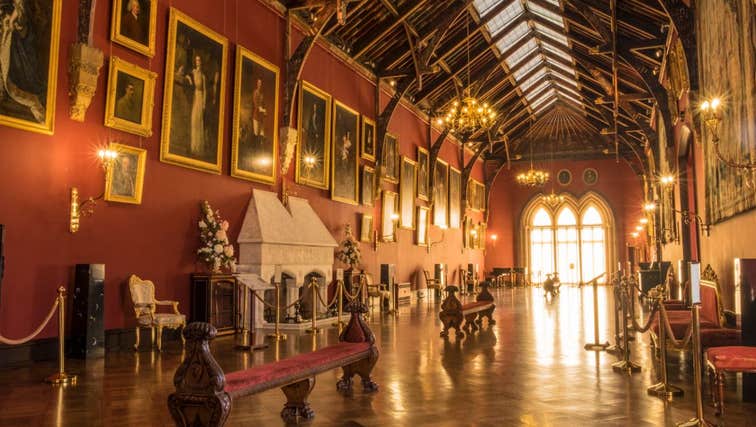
<point>458,212</point>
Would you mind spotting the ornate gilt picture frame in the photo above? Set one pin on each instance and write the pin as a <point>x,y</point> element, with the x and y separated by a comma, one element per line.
<point>407,180</point>
<point>388,210</point>
<point>125,178</point>
<point>195,93</point>
<point>421,230</point>
<point>455,197</point>
<point>254,151</point>
<point>131,98</point>
<point>366,228</point>
<point>313,147</point>
<point>32,105</point>
<point>368,185</point>
<point>133,25</point>
<point>423,168</point>
<point>390,159</point>
<point>367,146</point>
<point>345,160</point>
<point>441,194</point>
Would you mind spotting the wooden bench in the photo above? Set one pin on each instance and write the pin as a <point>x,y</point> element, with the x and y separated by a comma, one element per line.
<point>204,395</point>
<point>727,359</point>
<point>453,312</point>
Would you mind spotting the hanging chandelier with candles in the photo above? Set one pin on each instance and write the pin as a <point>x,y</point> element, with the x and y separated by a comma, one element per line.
<point>467,114</point>
<point>553,199</point>
<point>533,178</point>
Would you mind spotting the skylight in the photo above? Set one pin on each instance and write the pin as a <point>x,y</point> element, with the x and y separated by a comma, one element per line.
<point>504,17</point>
<point>522,70</point>
<point>545,13</point>
<point>522,52</point>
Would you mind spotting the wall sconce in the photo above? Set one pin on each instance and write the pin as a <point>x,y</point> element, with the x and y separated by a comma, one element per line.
<point>649,206</point>
<point>711,112</point>
<point>635,234</point>
<point>667,180</point>
<point>437,242</point>
<point>688,217</point>
<point>387,237</point>
<point>86,208</point>
<point>643,221</point>
<point>494,238</point>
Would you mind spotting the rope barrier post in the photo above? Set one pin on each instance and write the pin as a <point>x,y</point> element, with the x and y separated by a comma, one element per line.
<point>625,365</point>
<point>699,419</point>
<point>595,345</point>
<point>244,344</point>
<point>616,348</point>
<point>277,335</point>
<point>314,291</point>
<point>663,389</point>
<point>61,377</point>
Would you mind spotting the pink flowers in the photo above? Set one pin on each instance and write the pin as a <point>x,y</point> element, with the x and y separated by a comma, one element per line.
<point>216,250</point>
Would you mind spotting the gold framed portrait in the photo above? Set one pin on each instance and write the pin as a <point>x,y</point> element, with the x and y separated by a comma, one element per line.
<point>455,197</point>
<point>441,194</point>
<point>131,98</point>
<point>367,146</point>
<point>366,228</point>
<point>195,93</point>
<point>133,25</point>
<point>390,159</point>
<point>407,180</point>
<point>254,151</point>
<point>125,178</point>
<point>313,147</point>
<point>423,166</point>
<point>368,185</point>
<point>421,230</point>
<point>388,216</point>
<point>344,159</point>
<point>31,65</point>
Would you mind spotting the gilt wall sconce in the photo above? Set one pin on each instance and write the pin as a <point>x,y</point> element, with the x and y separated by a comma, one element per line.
<point>86,208</point>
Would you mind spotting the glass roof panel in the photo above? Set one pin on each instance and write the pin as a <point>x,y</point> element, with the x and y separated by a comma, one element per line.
<point>545,13</point>
<point>530,81</point>
<point>522,52</point>
<point>551,33</point>
<point>484,5</point>
<point>513,36</point>
<point>569,70</point>
<point>567,90</point>
<point>545,106</point>
<point>569,98</point>
<point>526,67</point>
<point>536,91</point>
<point>556,51</point>
<point>544,97</point>
<point>498,22</point>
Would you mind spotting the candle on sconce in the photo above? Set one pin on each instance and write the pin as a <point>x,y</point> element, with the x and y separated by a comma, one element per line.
<point>277,273</point>
<point>340,274</point>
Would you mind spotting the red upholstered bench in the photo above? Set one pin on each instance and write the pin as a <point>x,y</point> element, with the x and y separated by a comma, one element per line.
<point>204,395</point>
<point>680,320</point>
<point>453,312</point>
<point>727,359</point>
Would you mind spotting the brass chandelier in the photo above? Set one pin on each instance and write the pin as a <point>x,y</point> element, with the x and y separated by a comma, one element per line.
<point>467,114</point>
<point>533,178</point>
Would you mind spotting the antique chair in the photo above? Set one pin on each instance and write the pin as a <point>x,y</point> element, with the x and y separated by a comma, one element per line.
<point>145,304</point>
<point>376,290</point>
<point>727,359</point>
<point>432,283</point>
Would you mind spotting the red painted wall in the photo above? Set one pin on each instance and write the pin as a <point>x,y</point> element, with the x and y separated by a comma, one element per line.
<point>158,239</point>
<point>617,183</point>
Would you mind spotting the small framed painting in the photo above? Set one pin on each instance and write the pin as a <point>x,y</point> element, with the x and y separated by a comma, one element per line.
<point>564,177</point>
<point>441,194</point>
<point>130,100</point>
<point>421,230</point>
<point>254,151</point>
<point>366,228</point>
<point>195,93</point>
<point>407,181</point>
<point>313,148</point>
<point>423,161</point>
<point>367,150</point>
<point>388,216</point>
<point>590,176</point>
<point>368,185</point>
<point>344,161</point>
<point>133,25</point>
<point>390,159</point>
<point>455,198</point>
<point>125,177</point>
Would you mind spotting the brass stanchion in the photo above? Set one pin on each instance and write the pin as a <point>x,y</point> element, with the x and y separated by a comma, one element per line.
<point>248,336</point>
<point>663,389</point>
<point>625,365</point>
<point>699,419</point>
<point>616,348</point>
<point>595,345</point>
<point>61,377</point>
<point>314,315</point>
<point>277,335</point>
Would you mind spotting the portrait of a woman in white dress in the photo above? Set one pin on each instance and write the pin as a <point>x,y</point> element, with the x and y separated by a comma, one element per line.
<point>196,79</point>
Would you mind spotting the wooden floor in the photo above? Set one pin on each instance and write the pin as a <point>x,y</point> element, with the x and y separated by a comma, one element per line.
<point>530,369</point>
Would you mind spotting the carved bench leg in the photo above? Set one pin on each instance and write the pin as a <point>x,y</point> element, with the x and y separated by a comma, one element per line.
<point>489,314</point>
<point>451,320</point>
<point>194,410</point>
<point>296,406</point>
<point>363,368</point>
<point>720,393</point>
<point>470,325</point>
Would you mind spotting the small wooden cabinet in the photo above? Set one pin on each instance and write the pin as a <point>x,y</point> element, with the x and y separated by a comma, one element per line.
<point>214,301</point>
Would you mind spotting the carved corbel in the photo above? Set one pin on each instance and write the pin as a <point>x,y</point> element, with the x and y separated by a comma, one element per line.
<point>288,137</point>
<point>83,71</point>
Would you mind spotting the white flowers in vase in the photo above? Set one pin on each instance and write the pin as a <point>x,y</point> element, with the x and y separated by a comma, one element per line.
<point>216,250</point>
<point>350,250</point>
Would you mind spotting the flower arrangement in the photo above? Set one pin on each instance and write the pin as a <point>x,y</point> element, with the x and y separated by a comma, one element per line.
<point>216,251</point>
<point>350,251</point>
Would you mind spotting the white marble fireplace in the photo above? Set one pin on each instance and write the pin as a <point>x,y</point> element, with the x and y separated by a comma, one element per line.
<point>294,239</point>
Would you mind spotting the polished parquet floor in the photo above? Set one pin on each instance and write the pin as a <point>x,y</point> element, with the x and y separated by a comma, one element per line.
<point>530,369</point>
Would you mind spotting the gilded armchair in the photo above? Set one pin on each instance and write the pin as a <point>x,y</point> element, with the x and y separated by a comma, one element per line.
<point>145,309</point>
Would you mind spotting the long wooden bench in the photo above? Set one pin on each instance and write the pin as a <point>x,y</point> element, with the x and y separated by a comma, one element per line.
<point>204,395</point>
<point>454,313</point>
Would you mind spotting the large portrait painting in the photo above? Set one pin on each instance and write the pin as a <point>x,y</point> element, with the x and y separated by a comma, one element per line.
<point>368,185</point>
<point>367,150</point>
<point>313,148</point>
<point>423,162</point>
<point>125,178</point>
<point>421,230</point>
<point>195,88</point>
<point>366,228</point>
<point>255,138</point>
<point>29,35</point>
<point>455,198</point>
<point>407,181</point>
<point>441,194</point>
<point>388,216</point>
<point>130,100</point>
<point>345,168</point>
<point>390,159</point>
<point>133,25</point>
<point>726,33</point>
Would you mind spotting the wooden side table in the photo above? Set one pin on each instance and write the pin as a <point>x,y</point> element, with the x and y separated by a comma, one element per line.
<point>214,300</point>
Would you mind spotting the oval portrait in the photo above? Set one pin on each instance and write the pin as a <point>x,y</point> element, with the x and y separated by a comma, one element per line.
<point>590,176</point>
<point>564,177</point>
